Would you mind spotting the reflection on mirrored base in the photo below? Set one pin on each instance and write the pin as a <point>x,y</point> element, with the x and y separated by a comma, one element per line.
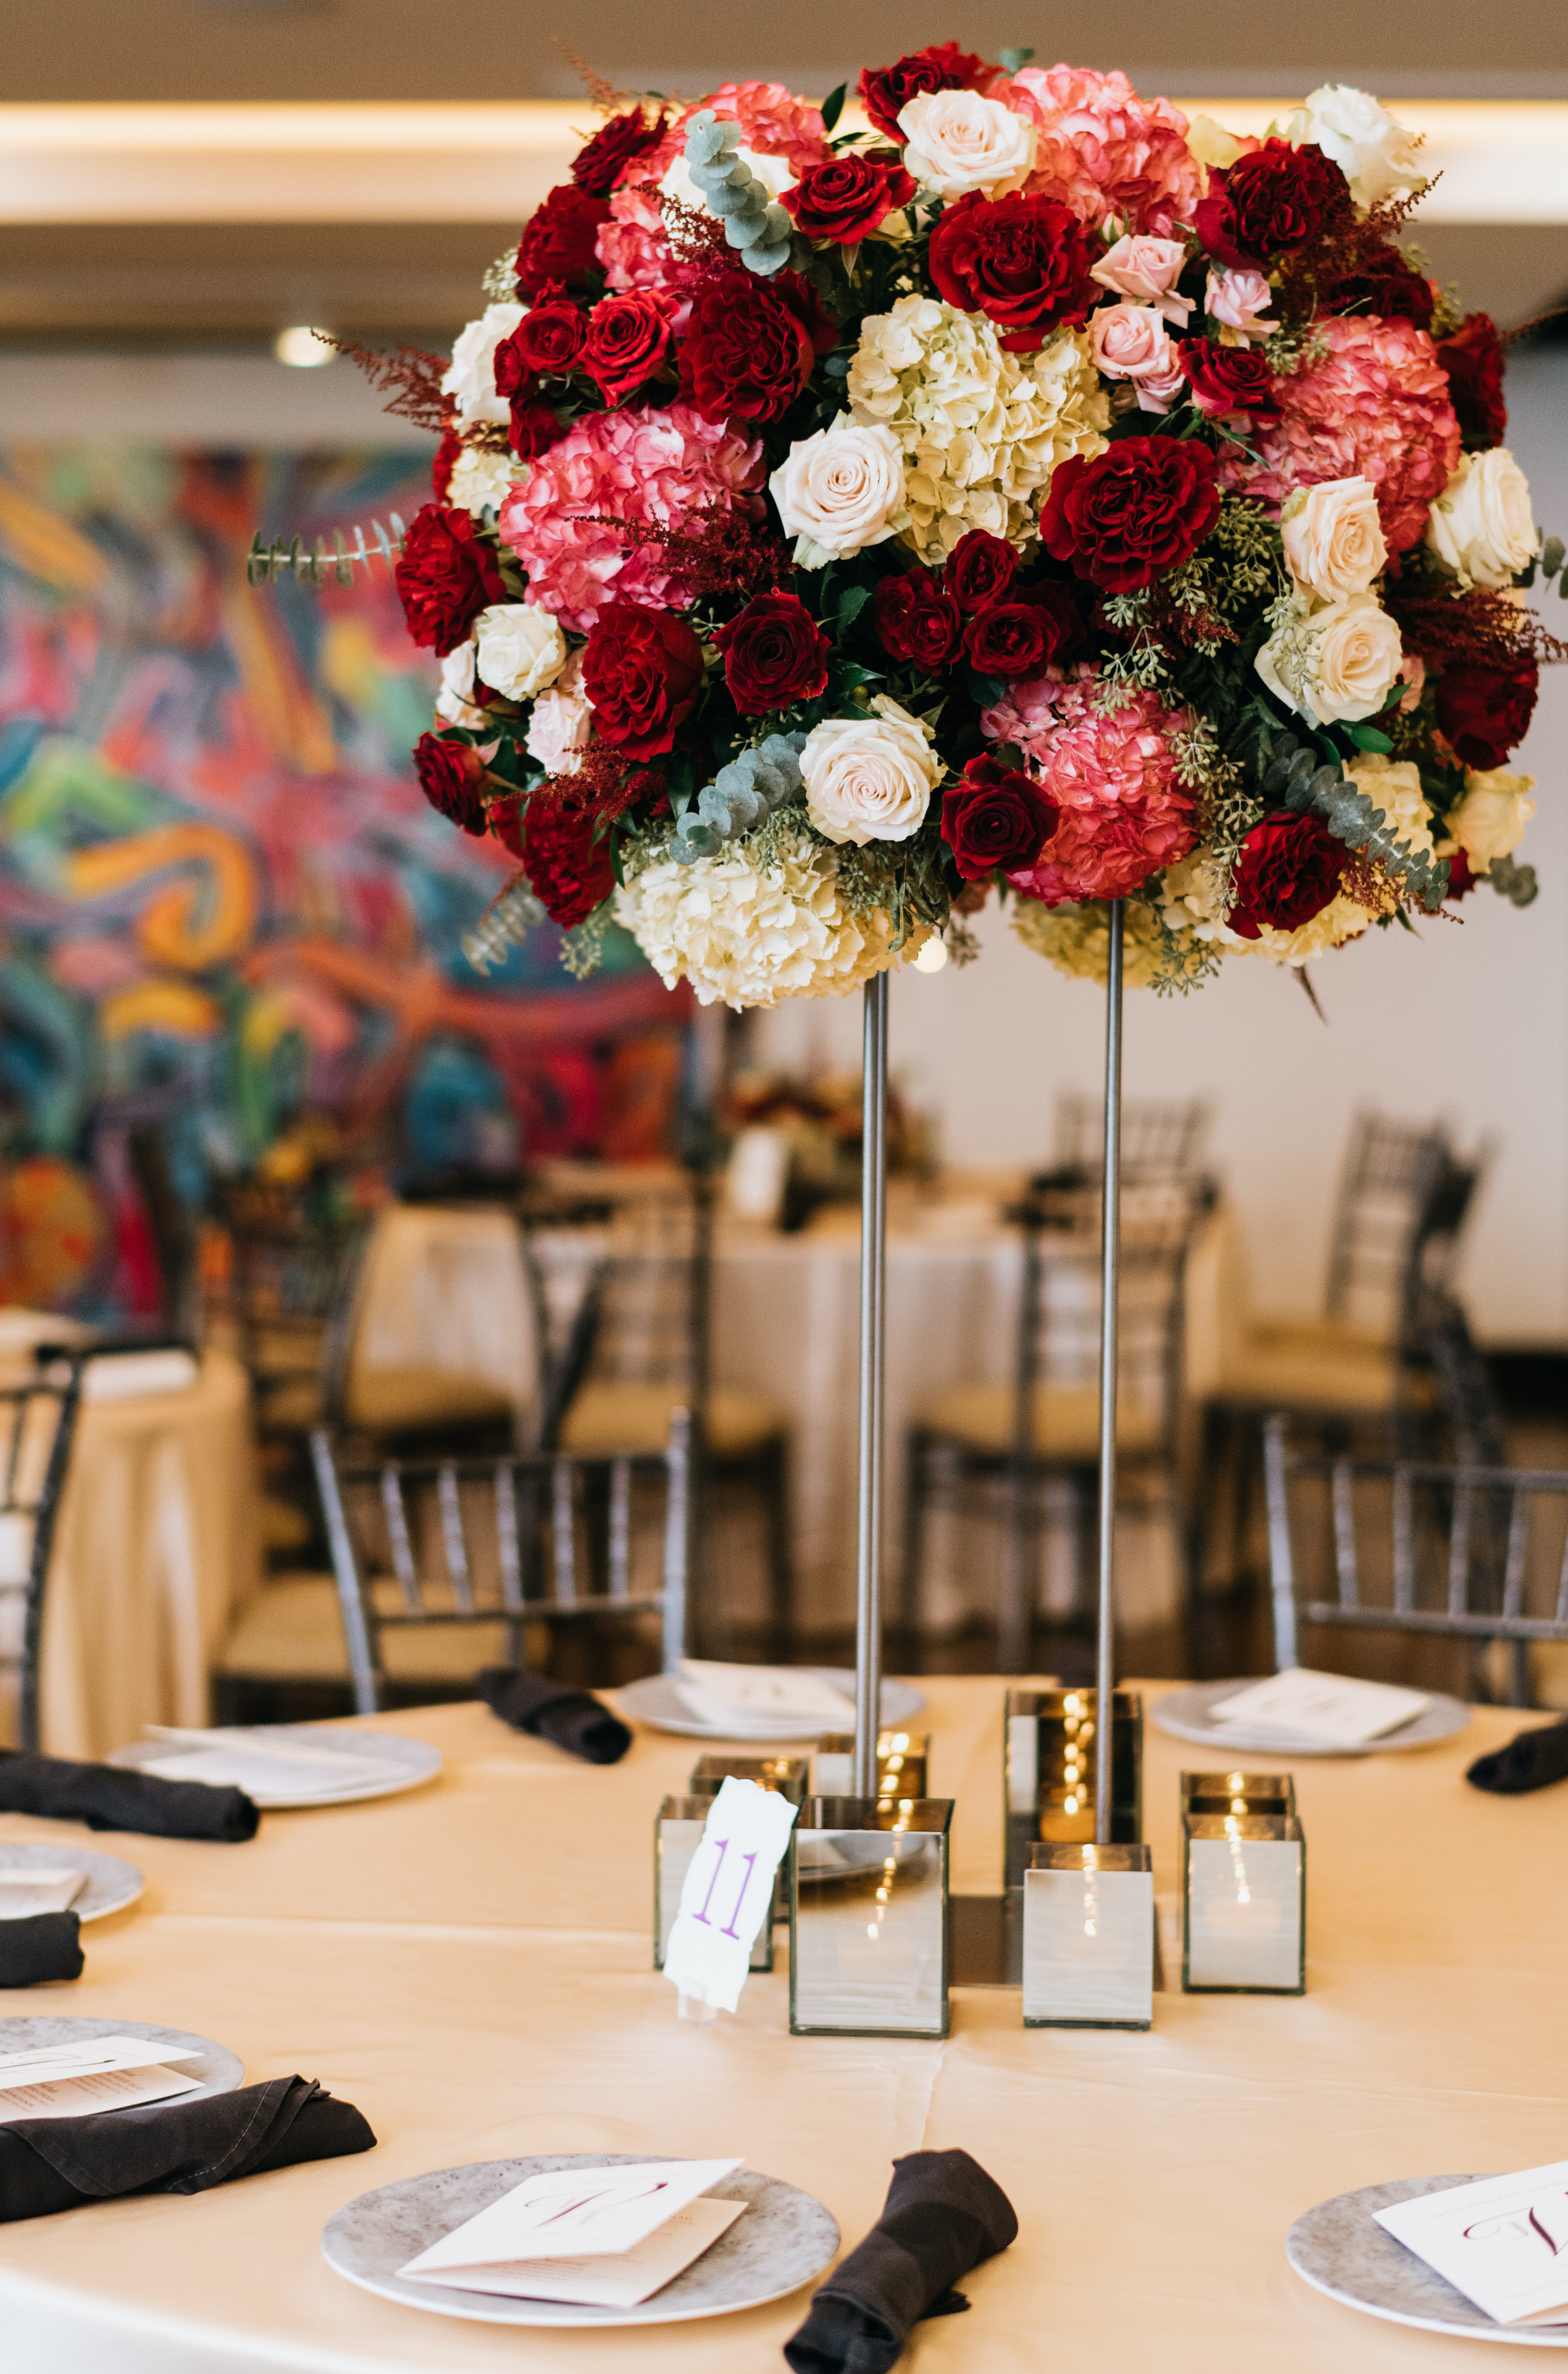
<point>1089,1937</point>
<point>868,1918</point>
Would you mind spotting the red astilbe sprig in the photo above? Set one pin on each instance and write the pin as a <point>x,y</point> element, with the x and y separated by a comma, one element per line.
<point>602,94</point>
<point>1479,627</point>
<point>408,377</point>
<point>696,238</point>
<point>1346,247</point>
<point>604,786</point>
<point>713,552</point>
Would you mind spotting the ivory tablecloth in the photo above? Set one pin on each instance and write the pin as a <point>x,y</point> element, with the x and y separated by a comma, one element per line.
<point>470,1966</point>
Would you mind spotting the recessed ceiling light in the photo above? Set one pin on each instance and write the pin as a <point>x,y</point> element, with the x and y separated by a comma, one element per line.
<point>303,349</point>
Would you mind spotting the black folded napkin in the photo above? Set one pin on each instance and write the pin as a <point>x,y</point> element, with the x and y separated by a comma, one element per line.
<point>942,2216</point>
<point>111,1797</point>
<point>188,2146</point>
<point>1533,1760</point>
<point>572,1718</point>
<point>44,1947</point>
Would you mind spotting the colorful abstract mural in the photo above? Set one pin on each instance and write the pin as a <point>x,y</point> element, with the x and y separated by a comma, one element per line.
<point>225,908</point>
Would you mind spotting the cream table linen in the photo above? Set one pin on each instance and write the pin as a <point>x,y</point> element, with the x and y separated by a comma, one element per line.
<point>470,1965</point>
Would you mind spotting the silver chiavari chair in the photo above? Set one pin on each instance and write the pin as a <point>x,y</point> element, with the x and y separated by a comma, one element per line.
<point>1158,1139</point>
<point>38,1423</point>
<point>548,1537</point>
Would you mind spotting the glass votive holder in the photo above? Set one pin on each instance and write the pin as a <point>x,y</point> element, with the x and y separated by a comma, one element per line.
<point>788,1774</point>
<point>902,1758</point>
<point>1051,1744</point>
<point>868,1917</point>
<point>1239,1792</point>
<point>677,1833</point>
<point>1088,1937</point>
<point>1243,1904</point>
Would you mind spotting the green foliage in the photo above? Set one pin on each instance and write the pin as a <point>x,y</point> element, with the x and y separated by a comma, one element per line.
<point>1296,777</point>
<point>1515,883</point>
<point>265,563</point>
<point>832,107</point>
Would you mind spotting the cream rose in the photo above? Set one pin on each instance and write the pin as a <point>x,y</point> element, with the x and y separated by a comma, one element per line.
<point>1376,155</point>
<point>1130,342</point>
<point>471,378</point>
<point>1489,820</point>
<point>481,480</point>
<point>1239,301</point>
<point>1211,144</point>
<point>521,649</point>
<point>455,704</point>
<point>841,490</point>
<point>956,141</point>
<point>1333,539</point>
<point>1146,270</point>
<point>561,721</point>
<point>870,778</point>
<point>1336,664</point>
<point>1482,526</point>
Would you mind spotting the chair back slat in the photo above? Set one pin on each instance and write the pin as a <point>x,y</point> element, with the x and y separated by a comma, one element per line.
<point>1519,1544</point>
<point>452,1541</point>
<point>1404,1540</point>
<point>620,1541</point>
<point>1460,1550</point>
<point>1562,1610</point>
<point>398,1541</point>
<point>508,1536</point>
<point>1347,1574</point>
<point>563,1532</point>
<point>36,1466</point>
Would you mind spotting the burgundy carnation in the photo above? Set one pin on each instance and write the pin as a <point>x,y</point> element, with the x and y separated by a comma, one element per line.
<point>1022,262</point>
<point>1473,360</point>
<point>534,424</point>
<point>1269,202</point>
<point>917,619</point>
<point>1287,872</point>
<point>1486,711</point>
<point>450,773</point>
<point>560,242</point>
<point>598,166</point>
<point>1230,379</point>
<point>571,870</point>
<point>628,337</point>
<point>546,342</point>
<point>979,570</point>
<point>445,453</point>
<point>941,65</point>
<point>446,576</point>
<point>1142,506</point>
<point>847,198</point>
<point>642,671</point>
<point>775,654</point>
<point>750,344</point>
<point>1388,285</point>
<point>994,816</point>
<point>1022,635</point>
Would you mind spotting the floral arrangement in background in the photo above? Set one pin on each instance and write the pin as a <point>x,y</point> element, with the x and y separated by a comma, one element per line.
<point>1016,486</point>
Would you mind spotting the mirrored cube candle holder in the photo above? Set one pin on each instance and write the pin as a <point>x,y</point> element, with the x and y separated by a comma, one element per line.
<point>791,1775</point>
<point>1243,1885</point>
<point>1089,1937</point>
<point>902,1758</point>
<point>1051,1741</point>
<point>677,1833</point>
<point>868,1917</point>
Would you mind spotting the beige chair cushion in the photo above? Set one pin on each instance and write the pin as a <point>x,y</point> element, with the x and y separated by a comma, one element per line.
<point>391,1400</point>
<point>1272,1367</point>
<point>1067,1421</point>
<point>607,1417</point>
<point>292,1630</point>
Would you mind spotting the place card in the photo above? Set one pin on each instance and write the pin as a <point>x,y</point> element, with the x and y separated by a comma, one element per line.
<point>100,2072</point>
<point>273,1769</point>
<point>1501,2241</point>
<point>624,2280</point>
<point>744,1698</point>
<point>728,1893</point>
<point>1306,1709</point>
<point>604,2237</point>
<point>32,1888</point>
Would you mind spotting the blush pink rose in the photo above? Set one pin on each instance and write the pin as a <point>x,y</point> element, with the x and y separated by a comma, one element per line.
<point>1239,299</point>
<point>1147,270</point>
<point>1108,154</point>
<point>1130,342</point>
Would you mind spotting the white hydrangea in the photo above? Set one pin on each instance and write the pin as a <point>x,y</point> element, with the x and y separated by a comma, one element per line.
<point>1192,897</point>
<point>1339,921</point>
<point>981,431</point>
<point>753,938</point>
<point>481,479</point>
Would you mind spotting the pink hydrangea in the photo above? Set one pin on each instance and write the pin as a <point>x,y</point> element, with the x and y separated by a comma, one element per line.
<point>773,123</point>
<point>1106,153</point>
<point>636,254</point>
<point>1112,774</point>
<point>1376,406</point>
<point>647,468</point>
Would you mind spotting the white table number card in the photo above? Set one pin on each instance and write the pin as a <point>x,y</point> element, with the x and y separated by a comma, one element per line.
<point>1501,2241</point>
<point>727,1895</point>
<point>599,2237</point>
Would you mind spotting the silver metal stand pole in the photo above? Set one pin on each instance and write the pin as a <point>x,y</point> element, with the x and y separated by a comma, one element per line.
<point>873,1334</point>
<point>1110,1269</point>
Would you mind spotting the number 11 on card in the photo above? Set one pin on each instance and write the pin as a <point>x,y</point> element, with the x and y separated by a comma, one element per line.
<point>727,1895</point>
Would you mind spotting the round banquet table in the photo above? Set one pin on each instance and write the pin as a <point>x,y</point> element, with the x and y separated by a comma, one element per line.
<point>471,1965</point>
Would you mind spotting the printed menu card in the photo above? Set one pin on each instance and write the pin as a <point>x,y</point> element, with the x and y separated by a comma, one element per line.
<point>98,2072</point>
<point>1503,2241</point>
<point>592,2236</point>
<point>1299,1708</point>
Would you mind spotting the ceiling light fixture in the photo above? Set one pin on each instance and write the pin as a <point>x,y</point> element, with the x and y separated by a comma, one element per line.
<point>302,348</point>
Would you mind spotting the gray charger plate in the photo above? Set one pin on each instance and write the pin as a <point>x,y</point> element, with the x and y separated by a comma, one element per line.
<point>112,1883</point>
<point>784,2239</point>
<point>217,2069</point>
<point>656,1701</point>
<point>1184,1713</point>
<point>1340,2249</point>
<point>409,1762</point>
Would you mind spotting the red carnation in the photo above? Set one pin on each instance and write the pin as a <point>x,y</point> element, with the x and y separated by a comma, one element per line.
<point>446,576</point>
<point>1287,872</point>
<point>446,454</point>
<point>917,619</point>
<point>450,773</point>
<point>546,342</point>
<point>560,242</point>
<point>942,65</point>
<point>1388,285</point>
<point>1269,202</point>
<point>1022,262</point>
<point>628,337</point>
<point>847,198</point>
<point>1230,379</point>
<point>994,816</point>
<point>1142,506</point>
<point>599,166</point>
<point>775,654</point>
<point>1023,633</point>
<point>571,870</point>
<point>1473,360</point>
<point>979,570</point>
<point>1485,712</point>
<point>750,344</point>
<point>642,671</point>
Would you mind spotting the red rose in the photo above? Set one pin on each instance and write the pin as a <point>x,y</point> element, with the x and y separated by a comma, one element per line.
<point>941,66</point>
<point>979,570</point>
<point>446,454</point>
<point>1142,506</point>
<point>994,816</point>
<point>571,870</point>
<point>534,425</point>
<point>1022,262</point>
<point>628,337</point>
<point>1473,360</point>
<point>750,344</point>
<point>642,671</point>
<point>1485,712</point>
<point>1287,872</point>
<point>775,654</point>
<point>1270,202</point>
<point>1390,287</point>
<point>917,619</point>
<point>1022,634</point>
<point>848,197</point>
<point>446,576</point>
<point>1229,379</point>
<point>600,165</point>
<point>546,343</point>
<point>450,773</point>
<point>558,243</point>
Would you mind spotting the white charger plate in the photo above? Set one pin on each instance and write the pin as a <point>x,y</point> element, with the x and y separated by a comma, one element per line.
<point>785,2239</point>
<point>1185,1714</point>
<point>110,1884</point>
<point>657,1701</point>
<point>215,2069</point>
<point>409,1762</point>
<point>1340,2249</point>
